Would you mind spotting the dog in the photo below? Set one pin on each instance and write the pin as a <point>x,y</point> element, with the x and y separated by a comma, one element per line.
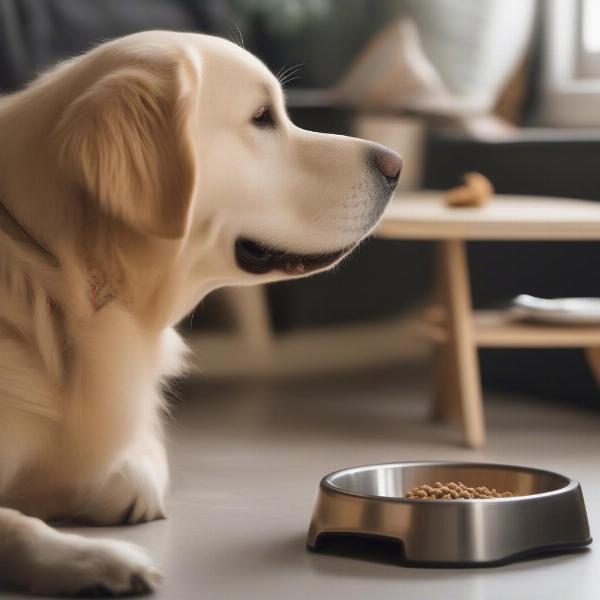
<point>134,180</point>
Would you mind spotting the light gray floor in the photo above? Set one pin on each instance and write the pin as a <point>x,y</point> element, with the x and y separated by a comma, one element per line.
<point>246,461</point>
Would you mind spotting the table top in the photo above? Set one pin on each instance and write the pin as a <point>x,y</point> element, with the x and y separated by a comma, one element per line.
<point>425,216</point>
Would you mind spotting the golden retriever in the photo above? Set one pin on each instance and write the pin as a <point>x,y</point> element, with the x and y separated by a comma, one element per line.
<point>134,180</point>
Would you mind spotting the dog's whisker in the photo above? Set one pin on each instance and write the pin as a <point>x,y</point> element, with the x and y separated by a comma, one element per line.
<point>285,72</point>
<point>284,83</point>
<point>236,36</point>
<point>279,73</point>
<point>292,69</point>
<point>240,36</point>
<point>291,73</point>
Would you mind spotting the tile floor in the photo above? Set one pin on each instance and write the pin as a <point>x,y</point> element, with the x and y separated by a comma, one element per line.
<point>247,458</point>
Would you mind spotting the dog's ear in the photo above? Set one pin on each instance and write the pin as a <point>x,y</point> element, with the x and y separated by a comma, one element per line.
<point>128,141</point>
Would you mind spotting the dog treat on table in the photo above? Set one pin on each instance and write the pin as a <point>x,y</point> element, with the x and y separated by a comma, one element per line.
<point>476,191</point>
<point>455,491</point>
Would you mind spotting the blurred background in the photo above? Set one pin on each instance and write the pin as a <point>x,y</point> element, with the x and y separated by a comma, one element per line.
<point>509,88</point>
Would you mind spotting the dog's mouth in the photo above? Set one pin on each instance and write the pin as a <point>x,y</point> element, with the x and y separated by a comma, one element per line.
<point>254,257</point>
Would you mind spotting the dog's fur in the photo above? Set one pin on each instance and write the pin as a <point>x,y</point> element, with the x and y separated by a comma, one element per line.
<point>132,170</point>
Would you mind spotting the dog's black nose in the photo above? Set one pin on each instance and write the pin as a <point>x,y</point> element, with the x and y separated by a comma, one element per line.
<point>389,164</point>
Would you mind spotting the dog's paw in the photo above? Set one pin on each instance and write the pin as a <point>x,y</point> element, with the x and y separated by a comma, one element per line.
<point>78,566</point>
<point>135,493</point>
<point>148,505</point>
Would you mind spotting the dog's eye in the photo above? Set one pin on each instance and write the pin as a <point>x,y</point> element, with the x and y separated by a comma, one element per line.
<point>263,117</point>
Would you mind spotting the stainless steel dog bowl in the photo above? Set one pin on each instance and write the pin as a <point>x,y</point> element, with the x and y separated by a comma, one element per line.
<point>546,514</point>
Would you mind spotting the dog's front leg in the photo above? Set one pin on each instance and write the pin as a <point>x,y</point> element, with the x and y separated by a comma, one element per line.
<point>134,492</point>
<point>38,559</point>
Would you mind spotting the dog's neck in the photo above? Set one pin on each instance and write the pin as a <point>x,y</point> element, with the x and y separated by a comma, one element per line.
<point>99,291</point>
<point>18,234</point>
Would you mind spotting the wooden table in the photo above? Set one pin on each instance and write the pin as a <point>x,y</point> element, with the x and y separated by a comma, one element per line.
<point>459,330</point>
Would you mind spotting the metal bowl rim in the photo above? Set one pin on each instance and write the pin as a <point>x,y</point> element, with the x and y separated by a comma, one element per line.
<point>327,485</point>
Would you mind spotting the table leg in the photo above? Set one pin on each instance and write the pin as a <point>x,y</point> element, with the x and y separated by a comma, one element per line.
<point>250,308</point>
<point>461,342</point>
<point>593,359</point>
<point>446,404</point>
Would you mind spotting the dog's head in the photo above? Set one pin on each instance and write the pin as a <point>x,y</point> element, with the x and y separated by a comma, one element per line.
<point>185,137</point>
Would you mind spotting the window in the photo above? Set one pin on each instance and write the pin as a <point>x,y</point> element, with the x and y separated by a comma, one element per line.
<point>589,40</point>
<point>571,84</point>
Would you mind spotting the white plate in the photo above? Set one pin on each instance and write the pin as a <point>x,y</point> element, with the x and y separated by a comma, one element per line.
<point>568,311</point>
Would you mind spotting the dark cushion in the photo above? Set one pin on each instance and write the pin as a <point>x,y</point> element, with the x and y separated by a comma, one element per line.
<point>35,34</point>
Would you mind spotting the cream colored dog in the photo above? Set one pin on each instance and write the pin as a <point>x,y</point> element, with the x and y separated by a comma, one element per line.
<point>133,181</point>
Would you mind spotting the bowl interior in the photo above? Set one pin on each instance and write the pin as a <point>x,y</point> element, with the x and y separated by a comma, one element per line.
<point>394,480</point>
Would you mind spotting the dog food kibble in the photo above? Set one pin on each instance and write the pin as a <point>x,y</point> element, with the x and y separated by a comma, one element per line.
<point>454,491</point>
